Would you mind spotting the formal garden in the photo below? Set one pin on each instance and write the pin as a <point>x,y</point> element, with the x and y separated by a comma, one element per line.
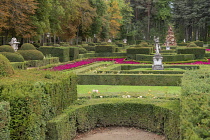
<point>70,67</point>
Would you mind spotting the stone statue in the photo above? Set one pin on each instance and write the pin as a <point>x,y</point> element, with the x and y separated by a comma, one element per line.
<point>157,46</point>
<point>14,43</point>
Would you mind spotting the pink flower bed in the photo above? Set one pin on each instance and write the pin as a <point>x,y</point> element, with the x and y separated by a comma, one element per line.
<point>91,60</point>
<point>116,60</point>
<point>208,50</point>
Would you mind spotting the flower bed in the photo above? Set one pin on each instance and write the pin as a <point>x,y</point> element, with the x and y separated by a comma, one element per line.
<point>91,60</point>
<point>116,60</point>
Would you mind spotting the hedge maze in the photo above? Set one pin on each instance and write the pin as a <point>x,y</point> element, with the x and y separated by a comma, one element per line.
<point>43,104</point>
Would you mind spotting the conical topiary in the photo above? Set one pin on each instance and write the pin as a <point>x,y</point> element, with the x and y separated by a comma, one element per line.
<point>5,68</point>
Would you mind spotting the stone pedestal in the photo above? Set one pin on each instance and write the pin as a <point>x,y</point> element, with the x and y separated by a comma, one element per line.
<point>157,62</point>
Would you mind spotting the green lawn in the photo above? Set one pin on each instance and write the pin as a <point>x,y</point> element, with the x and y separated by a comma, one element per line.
<point>133,91</point>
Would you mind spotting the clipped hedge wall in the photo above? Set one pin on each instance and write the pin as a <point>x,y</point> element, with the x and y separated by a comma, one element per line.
<point>140,50</point>
<point>195,97</point>
<point>44,62</point>
<point>31,54</point>
<point>6,48</point>
<point>134,79</point>
<point>197,51</point>
<point>116,112</point>
<point>13,57</point>
<point>104,49</point>
<point>61,52</point>
<point>4,120</point>
<point>73,53</point>
<point>36,97</point>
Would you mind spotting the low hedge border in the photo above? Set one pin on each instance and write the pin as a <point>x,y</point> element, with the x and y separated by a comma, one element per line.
<point>159,116</point>
<point>130,79</point>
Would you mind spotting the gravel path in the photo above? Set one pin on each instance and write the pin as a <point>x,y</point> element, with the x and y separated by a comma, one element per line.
<point>118,133</point>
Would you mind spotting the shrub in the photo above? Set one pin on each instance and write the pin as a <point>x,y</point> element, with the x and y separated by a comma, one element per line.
<point>104,49</point>
<point>31,54</point>
<point>36,97</point>
<point>5,120</point>
<point>13,57</point>
<point>191,44</point>
<point>199,43</point>
<point>6,48</point>
<point>5,68</point>
<point>82,50</point>
<point>116,112</point>
<point>181,44</point>
<point>27,46</point>
<point>197,51</point>
<point>144,44</point>
<point>142,50</point>
<point>195,97</point>
<point>61,52</point>
<point>56,45</point>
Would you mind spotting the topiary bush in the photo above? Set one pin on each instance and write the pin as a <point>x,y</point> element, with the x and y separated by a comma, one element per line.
<point>31,54</point>
<point>5,68</point>
<point>6,48</point>
<point>13,57</point>
<point>27,46</point>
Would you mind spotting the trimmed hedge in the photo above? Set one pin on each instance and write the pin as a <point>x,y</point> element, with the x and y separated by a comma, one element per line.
<point>199,43</point>
<point>13,57</point>
<point>36,97</point>
<point>117,112</point>
<point>104,49</point>
<point>140,50</point>
<point>44,62</point>
<point>182,44</point>
<point>197,51</point>
<point>195,97</point>
<point>4,120</point>
<point>31,54</point>
<point>5,67</point>
<point>6,48</point>
<point>19,65</point>
<point>134,79</point>
<point>61,52</point>
<point>73,53</point>
<point>27,46</point>
<point>166,58</point>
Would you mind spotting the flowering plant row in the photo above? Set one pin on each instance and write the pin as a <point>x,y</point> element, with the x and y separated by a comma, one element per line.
<point>91,60</point>
<point>115,60</point>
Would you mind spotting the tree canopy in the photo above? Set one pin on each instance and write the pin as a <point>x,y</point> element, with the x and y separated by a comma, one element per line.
<point>104,19</point>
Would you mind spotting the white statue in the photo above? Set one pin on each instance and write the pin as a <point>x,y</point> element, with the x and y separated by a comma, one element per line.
<point>14,43</point>
<point>109,40</point>
<point>125,40</point>
<point>157,46</point>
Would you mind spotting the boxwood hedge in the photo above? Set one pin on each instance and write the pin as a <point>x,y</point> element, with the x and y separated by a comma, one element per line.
<point>153,115</point>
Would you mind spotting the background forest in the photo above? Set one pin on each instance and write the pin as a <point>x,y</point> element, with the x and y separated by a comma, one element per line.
<point>55,21</point>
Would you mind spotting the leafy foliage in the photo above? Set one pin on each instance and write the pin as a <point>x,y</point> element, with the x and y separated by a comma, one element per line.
<point>31,54</point>
<point>27,46</point>
<point>195,98</point>
<point>5,67</point>
<point>13,57</point>
<point>6,48</point>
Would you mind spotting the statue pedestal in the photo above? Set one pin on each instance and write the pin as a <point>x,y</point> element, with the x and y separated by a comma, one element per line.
<point>157,62</point>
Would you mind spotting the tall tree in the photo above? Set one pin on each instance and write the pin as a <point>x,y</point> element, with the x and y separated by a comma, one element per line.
<point>115,18</point>
<point>16,17</point>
